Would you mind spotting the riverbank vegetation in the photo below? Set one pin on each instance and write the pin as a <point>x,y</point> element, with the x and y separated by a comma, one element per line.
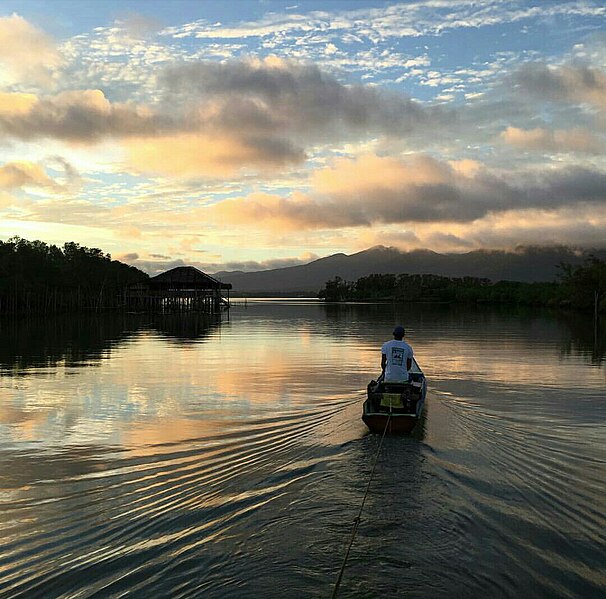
<point>41,278</point>
<point>581,287</point>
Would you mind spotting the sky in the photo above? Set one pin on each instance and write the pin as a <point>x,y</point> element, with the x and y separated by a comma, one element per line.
<point>248,135</point>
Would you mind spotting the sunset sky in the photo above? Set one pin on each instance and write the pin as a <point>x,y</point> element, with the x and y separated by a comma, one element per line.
<point>258,134</point>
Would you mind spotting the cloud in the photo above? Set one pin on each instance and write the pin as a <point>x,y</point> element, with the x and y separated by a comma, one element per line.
<point>569,225</point>
<point>26,53</point>
<point>155,267</point>
<point>371,189</point>
<point>415,175</point>
<point>77,116</point>
<point>218,118</point>
<point>160,263</point>
<point>265,27</point>
<point>448,241</point>
<point>571,140</point>
<point>72,178</point>
<point>277,97</point>
<point>21,174</point>
<point>265,114</point>
<point>16,104</point>
<point>128,231</point>
<point>6,200</point>
<point>137,25</point>
<point>132,257</point>
<point>411,19</point>
<point>273,263</point>
<point>390,235</point>
<point>16,175</point>
<point>197,154</point>
<point>581,225</point>
<point>568,83</point>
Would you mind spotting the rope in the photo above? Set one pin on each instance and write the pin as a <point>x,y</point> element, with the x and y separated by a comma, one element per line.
<point>358,518</point>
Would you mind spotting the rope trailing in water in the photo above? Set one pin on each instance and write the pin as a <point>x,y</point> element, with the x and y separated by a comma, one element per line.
<point>358,518</point>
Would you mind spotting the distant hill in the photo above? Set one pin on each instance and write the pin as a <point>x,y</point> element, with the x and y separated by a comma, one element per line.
<point>525,264</point>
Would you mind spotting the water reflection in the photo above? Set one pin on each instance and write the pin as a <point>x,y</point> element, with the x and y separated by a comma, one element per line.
<point>524,329</point>
<point>81,338</point>
<point>186,327</point>
<point>587,337</point>
<point>229,459</point>
<point>47,341</point>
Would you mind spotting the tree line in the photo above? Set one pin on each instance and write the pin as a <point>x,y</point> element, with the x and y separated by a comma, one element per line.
<point>41,278</point>
<point>578,286</point>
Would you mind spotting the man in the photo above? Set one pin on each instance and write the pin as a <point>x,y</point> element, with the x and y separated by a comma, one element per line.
<point>396,358</point>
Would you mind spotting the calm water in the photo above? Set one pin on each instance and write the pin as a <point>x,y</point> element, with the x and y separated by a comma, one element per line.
<point>171,458</point>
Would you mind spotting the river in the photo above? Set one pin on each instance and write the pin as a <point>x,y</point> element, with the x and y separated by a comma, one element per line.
<point>175,457</point>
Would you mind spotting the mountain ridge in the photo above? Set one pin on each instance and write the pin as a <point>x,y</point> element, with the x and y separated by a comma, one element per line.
<point>525,263</point>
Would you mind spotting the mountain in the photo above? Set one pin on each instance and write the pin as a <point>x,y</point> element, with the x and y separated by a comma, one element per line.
<point>523,264</point>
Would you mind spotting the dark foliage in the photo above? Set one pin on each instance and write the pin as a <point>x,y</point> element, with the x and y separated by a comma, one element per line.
<point>579,286</point>
<point>585,284</point>
<point>338,290</point>
<point>37,277</point>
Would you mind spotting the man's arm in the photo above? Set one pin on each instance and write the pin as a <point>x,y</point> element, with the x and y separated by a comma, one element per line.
<point>383,362</point>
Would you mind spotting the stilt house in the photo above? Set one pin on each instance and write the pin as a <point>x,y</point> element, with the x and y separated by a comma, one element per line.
<point>181,289</point>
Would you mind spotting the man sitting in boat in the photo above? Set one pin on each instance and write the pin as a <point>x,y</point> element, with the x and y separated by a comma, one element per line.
<point>396,358</point>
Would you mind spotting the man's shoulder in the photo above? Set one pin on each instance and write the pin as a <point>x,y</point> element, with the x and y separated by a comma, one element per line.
<point>404,345</point>
<point>388,344</point>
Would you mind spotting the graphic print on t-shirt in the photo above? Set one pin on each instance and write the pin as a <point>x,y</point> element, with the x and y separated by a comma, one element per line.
<point>397,356</point>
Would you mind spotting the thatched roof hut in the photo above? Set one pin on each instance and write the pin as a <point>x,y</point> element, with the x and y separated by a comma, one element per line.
<point>186,277</point>
<point>184,288</point>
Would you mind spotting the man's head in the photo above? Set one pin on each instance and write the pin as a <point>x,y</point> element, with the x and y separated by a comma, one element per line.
<point>398,332</point>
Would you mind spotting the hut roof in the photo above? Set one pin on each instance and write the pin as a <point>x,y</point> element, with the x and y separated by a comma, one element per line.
<point>188,277</point>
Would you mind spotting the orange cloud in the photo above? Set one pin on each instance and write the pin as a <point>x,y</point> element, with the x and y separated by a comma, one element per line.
<point>370,190</point>
<point>26,53</point>
<point>466,167</point>
<point>348,194</point>
<point>262,208</point>
<point>129,232</point>
<point>76,116</point>
<point>370,172</point>
<point>6,200</point>
<point>505,230</point>
<point>199,154</point>
<point>25,174</point>
<point>16,104</point>
<point>559,140</point>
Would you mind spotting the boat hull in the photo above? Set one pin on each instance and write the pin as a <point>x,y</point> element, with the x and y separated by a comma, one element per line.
<point>397,424</point>
<point>395,407</point>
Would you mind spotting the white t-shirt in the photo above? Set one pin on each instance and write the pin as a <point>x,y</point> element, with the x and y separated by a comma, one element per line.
<point>397,353</point>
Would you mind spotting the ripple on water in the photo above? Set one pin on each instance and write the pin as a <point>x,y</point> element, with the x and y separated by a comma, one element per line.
<point>231,461</point>
<point>145,504</point>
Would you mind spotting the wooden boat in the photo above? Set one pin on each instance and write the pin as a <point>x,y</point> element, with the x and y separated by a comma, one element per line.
<point>401,403</point>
